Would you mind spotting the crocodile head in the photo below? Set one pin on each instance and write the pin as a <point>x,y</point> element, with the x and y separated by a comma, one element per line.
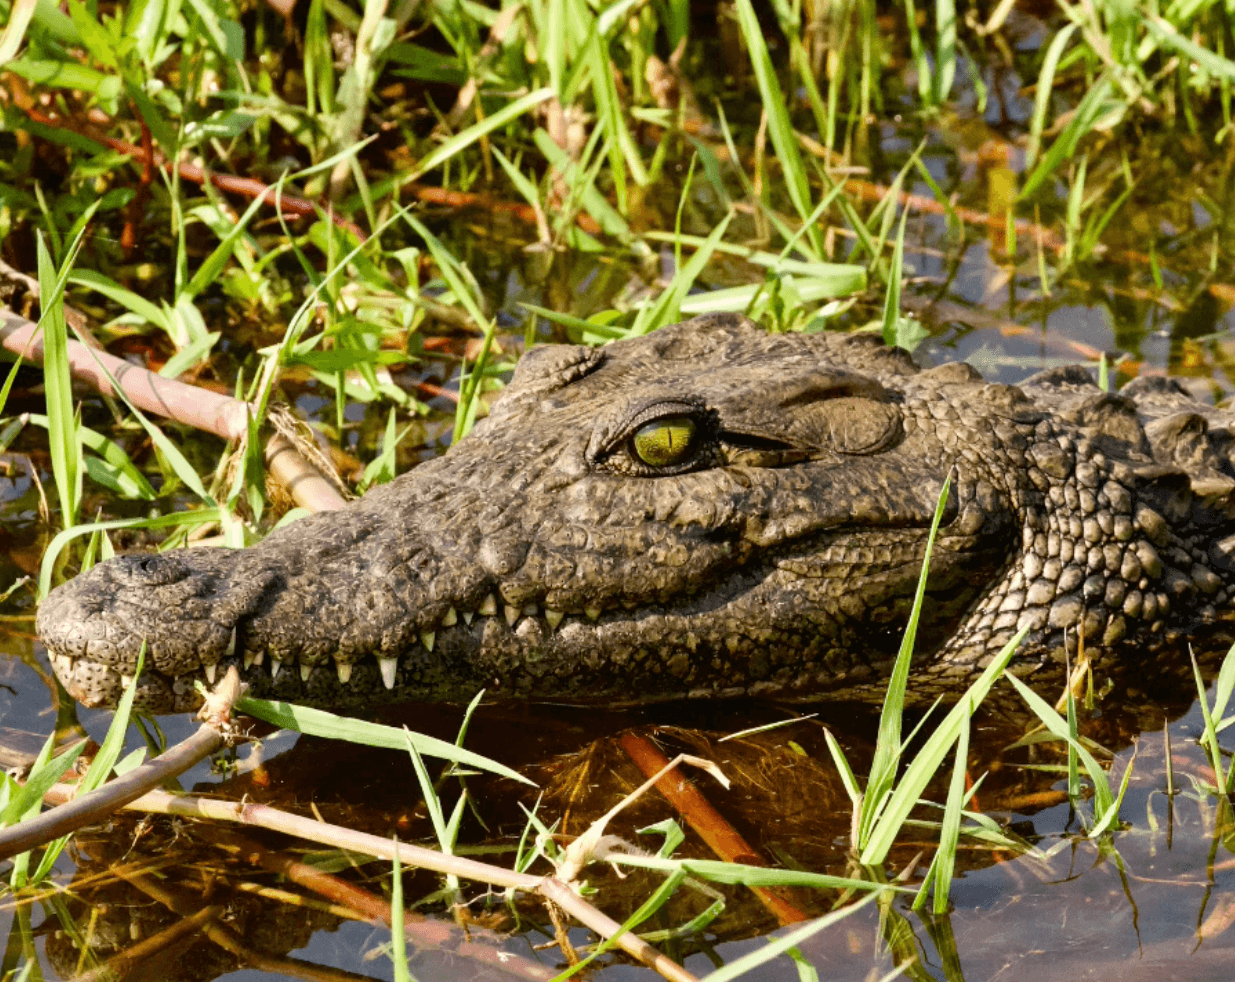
<point>708,510</point>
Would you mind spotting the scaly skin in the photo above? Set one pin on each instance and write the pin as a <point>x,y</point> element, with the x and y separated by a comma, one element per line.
<point>541,559</point>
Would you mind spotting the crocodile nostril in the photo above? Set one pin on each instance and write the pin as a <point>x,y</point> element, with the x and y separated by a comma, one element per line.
<point>152,570</point>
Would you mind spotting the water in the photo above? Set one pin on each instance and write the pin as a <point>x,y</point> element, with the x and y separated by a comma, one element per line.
<point>1154,900</point>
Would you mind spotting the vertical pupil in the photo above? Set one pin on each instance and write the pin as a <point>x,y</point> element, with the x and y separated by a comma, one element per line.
<point>664,442</point>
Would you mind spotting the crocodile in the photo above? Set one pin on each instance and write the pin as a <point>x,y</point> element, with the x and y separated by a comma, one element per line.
<point>709,510</point>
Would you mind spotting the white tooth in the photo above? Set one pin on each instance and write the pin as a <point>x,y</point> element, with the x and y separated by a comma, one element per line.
<point>231,645</point>
<point>305,672</point>
<point>512,614</point>
<point>345,672</point>
<point>592,612</point>
<point>468,615</point>
<point>126,680</point>
<point>553,617</point>
<point>259,658</point>
<point>427,638</point>
<point>388,666</point>
<point>451,618</point>
<point>275,665</point>
<point>249,658</point>
<point>211,672</point>
<point>488,606</point>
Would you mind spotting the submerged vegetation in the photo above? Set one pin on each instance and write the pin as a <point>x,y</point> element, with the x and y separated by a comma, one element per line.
<point>367,212</point>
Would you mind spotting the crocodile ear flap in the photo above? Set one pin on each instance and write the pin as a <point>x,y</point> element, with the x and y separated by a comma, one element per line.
<point>854,425</point>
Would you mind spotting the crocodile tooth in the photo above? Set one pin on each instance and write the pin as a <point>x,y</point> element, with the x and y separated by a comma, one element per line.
<point>451,618</point>
<point>388,666</point>
<point>488,606</point>
<point>345,672</point>
<point>249,658</point>
<point>427,638</point>
<point>259,658</point>
<point>231,645</point>
<point>468,615</point>
<point>211,671</point>
<point>305,672</point>
<point>512,614</point>
<point>275,665</point>
<point>593,613</point>
<point>126,680</point>
<point>553,617</point>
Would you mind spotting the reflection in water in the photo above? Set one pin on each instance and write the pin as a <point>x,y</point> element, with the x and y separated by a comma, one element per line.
<point>154,898</point>
<point>160,899</point>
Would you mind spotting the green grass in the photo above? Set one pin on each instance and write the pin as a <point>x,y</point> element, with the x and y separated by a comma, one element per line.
<point>547,104</point>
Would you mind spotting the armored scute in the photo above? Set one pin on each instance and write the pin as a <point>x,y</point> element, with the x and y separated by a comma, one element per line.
<point>710,510</point>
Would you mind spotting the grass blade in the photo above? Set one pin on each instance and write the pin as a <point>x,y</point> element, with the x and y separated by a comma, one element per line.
<point>888,742</point>
<point>780,128</point>
<point>926,763</point>
<point>317,722</point>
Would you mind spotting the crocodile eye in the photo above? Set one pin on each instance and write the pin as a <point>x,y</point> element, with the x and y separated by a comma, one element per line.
<point>666,441</point>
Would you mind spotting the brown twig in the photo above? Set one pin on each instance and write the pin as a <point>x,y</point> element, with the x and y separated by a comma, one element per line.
<point>174,400</point>
<point>466,199</point>
<point>124,962</point>
<point>248,813</point>
<point>232,942</point>
<point>721,837</point>
<point>424,932</point>
<point>246,187</point>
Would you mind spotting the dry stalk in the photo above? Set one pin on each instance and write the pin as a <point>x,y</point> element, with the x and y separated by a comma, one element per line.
<point>96,805</point>
<point>192,806</point>
<point>200,408</point>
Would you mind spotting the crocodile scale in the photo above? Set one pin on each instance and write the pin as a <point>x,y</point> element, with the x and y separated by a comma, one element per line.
<point>543,558</point>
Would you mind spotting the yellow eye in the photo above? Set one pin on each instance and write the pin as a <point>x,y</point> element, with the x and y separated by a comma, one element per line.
<point>665,442</point>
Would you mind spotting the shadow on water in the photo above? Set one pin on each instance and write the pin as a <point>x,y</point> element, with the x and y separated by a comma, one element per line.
<point>1158,895</point>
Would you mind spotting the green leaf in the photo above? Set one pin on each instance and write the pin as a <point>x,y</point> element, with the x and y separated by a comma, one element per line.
<point>65,445</point>
<point>186,518</point>
<point>1103,797</point>
<point>66,75</point>
<point>152,313</point>
<point>46,771</point>
<point>96,39</point>
<point>1166,34</point>
<point>317,722</point>
<point>461,141</point>
<point>761,956</point>
<point>924,766</point>
<point>1042,94</point>
<point>784,139</point>
<point>1091,108</point>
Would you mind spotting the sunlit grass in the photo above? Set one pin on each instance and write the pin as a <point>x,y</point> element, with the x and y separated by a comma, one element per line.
<point>557,95</point>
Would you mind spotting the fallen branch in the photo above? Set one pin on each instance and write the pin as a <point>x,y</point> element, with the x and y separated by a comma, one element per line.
<point>426,933</point>
<point>94,806</point>
<point>200,408</point>
<point>248,813</point>
<point>720,836</point>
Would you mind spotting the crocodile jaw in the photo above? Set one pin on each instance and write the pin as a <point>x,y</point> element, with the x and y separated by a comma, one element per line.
<point>539,559</point>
